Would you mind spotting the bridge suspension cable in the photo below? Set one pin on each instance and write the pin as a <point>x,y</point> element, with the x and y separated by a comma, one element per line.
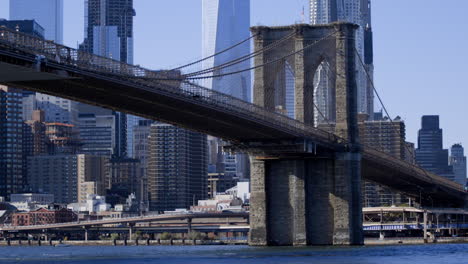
<point>371,81</point>
<point>240,59</point>
<point>215,54</point>
<point>266,63</point>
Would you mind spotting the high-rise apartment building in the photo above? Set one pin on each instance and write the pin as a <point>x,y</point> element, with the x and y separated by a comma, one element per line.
<point>54,174</point>
<point>430,154</point>
<point>387,136</point>
<point>109,33</point>
<point>357,12</point>
<point>458,163</point>
<point>11,142</point>
<point>384,134</point>
<point>48,13</point>
<point>177,167</point>
<point>70,178</point>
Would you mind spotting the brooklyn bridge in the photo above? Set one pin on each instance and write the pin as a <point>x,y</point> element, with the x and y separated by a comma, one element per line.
<point>306,176</point>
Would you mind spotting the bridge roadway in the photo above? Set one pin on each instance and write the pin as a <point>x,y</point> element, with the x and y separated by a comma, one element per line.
<point>126,220</point>
<point>176,225</point>
<point>42,66</point>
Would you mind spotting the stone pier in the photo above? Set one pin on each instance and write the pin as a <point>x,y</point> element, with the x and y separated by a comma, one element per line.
<point>307,196</point>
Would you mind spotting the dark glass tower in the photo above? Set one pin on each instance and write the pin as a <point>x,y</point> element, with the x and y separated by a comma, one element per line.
<point>109,33</point>
<point>11,139</point>
<point>109,28</point>
<point>430,154</point>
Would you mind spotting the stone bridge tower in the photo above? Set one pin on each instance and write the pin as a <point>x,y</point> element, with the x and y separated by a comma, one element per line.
<point>307,198</point>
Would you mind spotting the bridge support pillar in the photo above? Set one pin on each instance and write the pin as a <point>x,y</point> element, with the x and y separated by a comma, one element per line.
<point>346,200</point>
<point>306,201</point>
<point>319,212</point>
<point>258,204</point>
<point>277,214</point>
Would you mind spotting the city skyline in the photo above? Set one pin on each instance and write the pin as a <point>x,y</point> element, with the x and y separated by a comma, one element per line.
<point>308,182</point>
<point>420,75</point>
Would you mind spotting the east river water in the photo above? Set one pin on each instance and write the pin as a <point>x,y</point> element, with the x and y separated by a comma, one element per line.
<point>423,254</point>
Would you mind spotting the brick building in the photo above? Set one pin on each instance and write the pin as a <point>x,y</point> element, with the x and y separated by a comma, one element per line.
<point>43,216</point>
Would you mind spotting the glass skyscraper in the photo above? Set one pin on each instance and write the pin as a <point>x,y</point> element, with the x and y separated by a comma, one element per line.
<point>430,154</point>
<point>225,23</point>
<point>357,12</point>
<point>109,33</point>
<point>48,13</point>
<point>109,28</point>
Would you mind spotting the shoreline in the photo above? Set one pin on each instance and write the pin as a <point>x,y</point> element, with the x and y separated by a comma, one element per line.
<point>186,242</point>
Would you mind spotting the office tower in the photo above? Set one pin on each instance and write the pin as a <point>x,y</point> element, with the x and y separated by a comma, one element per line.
<point>109,28</point>
<point>48,13</point>
<point>24,26</point>
<point>387,136</point>
<point>458,163</point>
<point>430,154</point>
<point>70,178</point>
<point>177,167</point>
<point>11,142</point>
<point>132,123</point>
<point>357,12</point>
<point>109,33</point>
<point>225,23</point>
<point>96,134</point>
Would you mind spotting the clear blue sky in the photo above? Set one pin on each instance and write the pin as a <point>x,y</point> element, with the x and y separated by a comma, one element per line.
<point>420,47</point>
